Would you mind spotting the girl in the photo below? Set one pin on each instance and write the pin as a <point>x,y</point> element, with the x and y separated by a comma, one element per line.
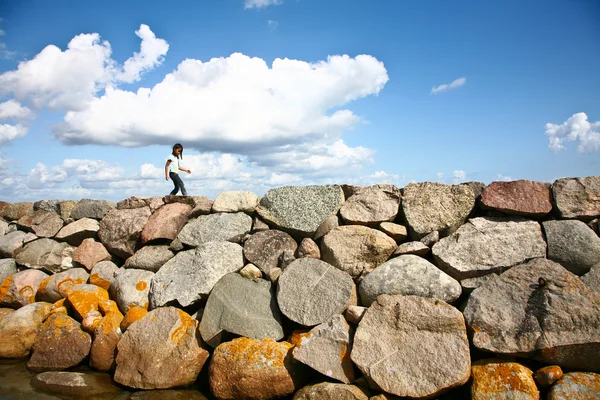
<point>172,169</point>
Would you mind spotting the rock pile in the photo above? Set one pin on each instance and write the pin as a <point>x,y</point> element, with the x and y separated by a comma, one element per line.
<point>316,292</point>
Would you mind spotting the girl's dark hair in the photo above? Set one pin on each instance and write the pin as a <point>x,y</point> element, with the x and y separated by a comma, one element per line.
<point>178,146</point>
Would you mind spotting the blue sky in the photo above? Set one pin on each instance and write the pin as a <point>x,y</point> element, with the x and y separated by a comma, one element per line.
<point>265,93</point>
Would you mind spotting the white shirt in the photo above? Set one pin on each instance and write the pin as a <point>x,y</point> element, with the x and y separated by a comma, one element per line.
<point>174,166</point>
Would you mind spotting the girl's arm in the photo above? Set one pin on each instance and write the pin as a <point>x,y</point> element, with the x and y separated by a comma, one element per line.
<point>167,169</point>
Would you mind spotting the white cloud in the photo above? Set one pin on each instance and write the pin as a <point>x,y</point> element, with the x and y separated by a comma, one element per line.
<point>11,132</point>
<point>272,24</point>
<point>458,176</point>
<point>152,52</point>
<point>40,177</point>
<point>260,3</point>
<point>92,170</point>
<point>149,171</point>
<point>503,178</point>
<point>447,86</point>
<point>13,109</point>
<point>577,128</point>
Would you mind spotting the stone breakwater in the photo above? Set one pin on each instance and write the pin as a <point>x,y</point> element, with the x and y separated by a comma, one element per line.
<point>316,292</point>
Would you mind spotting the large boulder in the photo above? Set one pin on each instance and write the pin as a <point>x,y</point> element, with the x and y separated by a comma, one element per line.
<point>15,211</point>
<point>46,223</point>
<point>547,314</point>
<point>166,223</point>
<point>311,292</point>
<point>131,287</point>
<point>191,275</point>
<point>106,336</point>
<point>13,241</point>
<point>162,350</point>
<point>58,286</point>
<point>592,278</point>
<point>229,227</point>
<point>572,244</point>
<point>432,206</point>
<point>372,205</point>
<point>121,229</point>
<point>245,307</point>
<point>103,274</point>
<point>18,330</point>
<point>264,248</point>
<point>412,346</point>
<point>235,201</point>
<point>408,275</point>
<point>527,198</point>
<point>485,245</point>
<point>577,197</point>
<point>299,210</point>
<point>356,249</point>
<point>46,254</point>
<point>150,258</point>
<point>95,209</point>
<point>20,289</point>
<point>76,232</point>
<point>497,379</point>
<point>89,253</point>
<point>330,391</point>
<point>576,386</point>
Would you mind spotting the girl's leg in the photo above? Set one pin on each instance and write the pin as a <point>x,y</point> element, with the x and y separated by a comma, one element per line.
<point>175,179</point>
<point>179,184</point>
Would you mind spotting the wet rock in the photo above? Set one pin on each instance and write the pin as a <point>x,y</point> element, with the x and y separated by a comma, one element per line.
<point>497,379</point>
<point>230,227</point>
<point>85,298</point>
<point>166,223</point>
<point>235,201</point>
<point>414,248</point>
<point>59,285</point>
<point>76,232</point>
<point>372,205</point>
<point>397,232</point>
<point>526,198</point>
<point>121,229</point>
<point>330,391</point>
<point>13,241</point>
<point>89,253</point>
<point>263,249</point>
<point>8,267</point>
<point>308,248</point>
<point>95,209</point>
<point>546,376</point>
<point>103,274</point>
<point>18,330</point>
<point>131,287</point>
<point>573,245</point>
<point>20,289</point>
<point>150,258</point>
<point>76,384</point>
<point>46,254</point>
<point>577,197</point>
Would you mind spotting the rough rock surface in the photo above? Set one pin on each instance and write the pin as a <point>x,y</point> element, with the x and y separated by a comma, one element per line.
<point>573,245</point>
<point>498,379</point>
<point>263,249</point>
<point>190,275</point>
<point>356,249</point>
<point>229,227</point>
<point>133,315</point>
<point>432,206</point>
<point>485,245</point>
<point>577,197</point>
<point>354,314</point>
<point>300,210</point>
<point>311,292</point>
<point>250,271</point>
<point>372,205</point>
<point>308,248</point>
<point>150,258</point>
<point>576,386</point>
<point>85,298</point>
<point>46,224</point>
<point>259,225</point>
<point>18,330</point>
<point>121,229</point>
<point>15,211</point>
<point>47,205</point>
<point>103,274</point>
<point>76,232</point>
<point>13,241</point>
<point>76,384</point>
<point>241,306</point>
<point>546,376</point>
<point>592,278</point>
<point>330,391</point>
<point>20,289</point>
<point>396,331</point>
<point>95,209</point>
<point>89,253</point>
<point>235,201</point>
<point>130,287</point>
<point>415,248</point>
<point>202,206</point>
<point>106,337</point>
<point>46,254</point>
<point>58,286</point>
<point>547,314</point>
<point>8,267</point>
<point>66,207</point>
<point>162,350</point>
<point>166,222</point>
<point>526,198</point>
<point>408,275</point>
<point>396,231</point>
<point>326,226</point>
<point>154,203</point>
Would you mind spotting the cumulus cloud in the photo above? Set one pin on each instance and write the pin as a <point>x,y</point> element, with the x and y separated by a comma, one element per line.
<point>575,129</point>
<point>503,178</point>
<point>260,3</point>
<point>12,109</point>
<point>456,177</point>
<point>11,132</point>
<point>152,52</point>
<point>448,86</point>
<point>40,177</point>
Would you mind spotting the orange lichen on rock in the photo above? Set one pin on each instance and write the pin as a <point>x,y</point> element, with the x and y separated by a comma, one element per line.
<point>255,352</point>
<point>546,376</point>
<point>185,330</point>
<point>95,279</point>
<point>5,296</point>
<point>85,298</point>
<point>134,314</point>
<point>43,285</point>
<point>27,293</point>
<point>66,285</point>
<point>141,285</point>
<point>5,311</point>
<point>494,376</point>
<point>296,337</point>
<point>109,307</point>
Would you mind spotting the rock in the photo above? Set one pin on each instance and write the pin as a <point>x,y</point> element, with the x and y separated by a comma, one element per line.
<point>46,224</point>
<point>326,226</point>
<point>577,197</point>
<point>251,271</point>
<point>311,291</point>
<point>299,210</point>
<point>408,275</point>
<point>546,376</point>
<point>193,201</point>
<point>130,287</point>
<point>555,321</point>
<point>18,330</point>
<point>168,394</point>
<point>176,245</point>
<point>330,391</point>
<point>469,284</point>
<point>150,258</point>
<point>24,223</point>
<point>252,369</point>
<point>326,349</point>
<point>274,274</point>
<point>106,337</point>
<point>133,315</point>
<point>395,231</point>
<point>572,244</point>
<point>485,245</point>
<point>13,241</point>
<point>191,275</point>
<point>59,285</point>
<point>8,267</point>
<point>85,298</point>
<point>497,379</point>
<point>46,254</point>
<point>243,307</point>
<point>76,232</point>
<point>398,330</point>
<point>76,384</point>
<point>592,278</point>
<point>258,225</point>
<point>430,239</point>
<point>354,314</point>
<point>372,205</point>
<point>60,344</point>
<point>264,248</point>
<point>230,227</point>
<point>595,225</point>
<point>89,253</point>
<point>166,223</point>
<point>19,289</point>
<point>3,226</point>
<point>95,209</point>
<point>15,211</point>
<point>285,259</point>
<point>356,249</point>
<point>103,274</point>
<point>526,198</point>
<point>576,386</point>
<point>432,206</point>
<point>235,201</point>
<point>121,229</point>
<point>203,206</point>
<point>52,206</point>
<point>162,350</point>
<point>139,202</point>
<point>414,248</point>
<point>65,208</point>
<point>308,248</point>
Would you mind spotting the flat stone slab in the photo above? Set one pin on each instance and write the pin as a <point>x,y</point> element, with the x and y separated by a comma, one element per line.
<point>577,197</point>
<point>235,201</point>
<point>76,232</point>
<point>572,244</point>
<point>526,198</point>
<point>76,384</point>
<point>264,248</point>
<point>95,209</point>
<point>230,227</point>
<point>415,248</point>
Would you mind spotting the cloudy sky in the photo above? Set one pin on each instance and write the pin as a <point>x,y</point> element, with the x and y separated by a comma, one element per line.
<point>266,93</point>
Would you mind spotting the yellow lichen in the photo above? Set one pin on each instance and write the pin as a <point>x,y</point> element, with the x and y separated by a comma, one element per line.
<point>141,285</point>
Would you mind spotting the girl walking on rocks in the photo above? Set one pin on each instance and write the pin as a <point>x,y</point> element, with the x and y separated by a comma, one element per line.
<point>172,169</point>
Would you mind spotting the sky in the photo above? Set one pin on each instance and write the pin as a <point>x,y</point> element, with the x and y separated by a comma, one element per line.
<point>268,93</point>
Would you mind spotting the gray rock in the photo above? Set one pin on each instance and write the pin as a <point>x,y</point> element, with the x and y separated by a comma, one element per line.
<point>46,223</point>
<point>356,249</point>
<point>230,227</point>
<point>299,210</point>
<point>577,197</point>
<point>103,274</point>
<point>191,275</point>
<point>76,384</point>
<point>546,314</point>
<point>95,209</point>
<point>485,245</point>
<point>13,241</point>
<point>52,206</point>
<point>412,346</point>
<point>3,227</point>
<point>139,202</point>
<point>264,248</point>
<point>76,232</point>
<point>470,284</point>
<point>326,348</point>
<point>430,239</point>
<point>46,254</point>
<point>573,245</point>
<point>592,278</point>
<point>243,307</point>
<point>259,225</point>
<point>575,386</point>
<point>416,248</point>
<point>130,287</point>
<point>431,206</point>
<point>8,267</point>
<point>120,230</point>
<point>59,285</point>
<point>235,201</point>
<point>311,291</point>
<point>251,271</point>
<point>150,258</point>
<point>408,275</point>
<point>326,226</point>
<point>330,391</point>
<point>202,206</point>
<point>372,205</point>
